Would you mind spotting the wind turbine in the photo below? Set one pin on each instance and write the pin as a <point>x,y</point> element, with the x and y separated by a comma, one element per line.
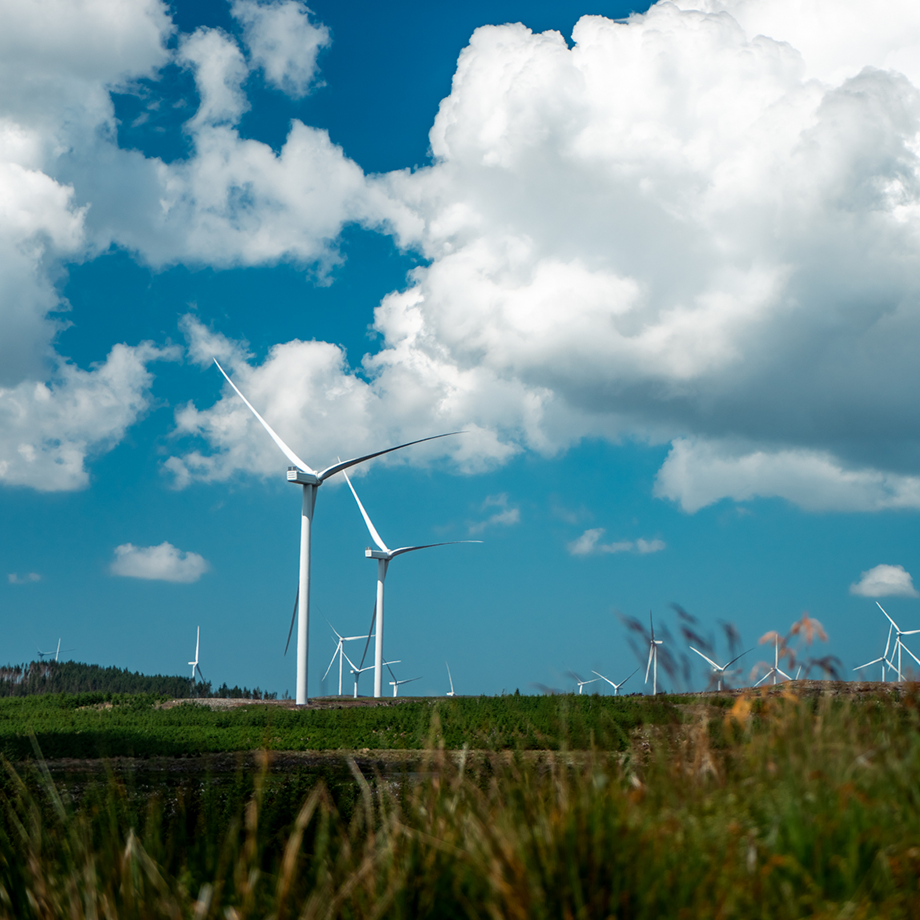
<point>775,669</point>
<point>311,480</point>
<point>719,669</point>
<point>359,671</point>
<point>194,663</point>
<point>394,683</point>
<point>898,644</point>
<point>451,691</point>
<point>340,651</point>
<point>883,659</point>
<point>383,554</point>
<point>653,656</point>
<point>43,655</point>
<point>616,687</point>
<point>581,683</point>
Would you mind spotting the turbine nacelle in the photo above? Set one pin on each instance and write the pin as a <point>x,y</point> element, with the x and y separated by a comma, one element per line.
<point>302,478</point>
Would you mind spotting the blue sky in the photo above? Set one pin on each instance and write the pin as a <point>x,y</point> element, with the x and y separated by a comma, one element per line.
<point>661,270</point>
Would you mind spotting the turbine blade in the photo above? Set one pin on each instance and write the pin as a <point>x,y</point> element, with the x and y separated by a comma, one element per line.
<point>651,651</point>
<point>331,663</point>
<point>200,672</point>
<point>620,684</point>
<point>601,676</point>
<point>293,617</point>
<point>762,679</point>
<point>409,549</point>
<point>888,642</point>
<point>718,667</point>
<point>859,667</point>
<point>737,657</point>
<point>367,644</point>
<point>895,625</point>
<point>909,652</point>
<point>367,520</point>
<point>778,671</point>
<point>906,632</point>
<point>387,663</point>
<point>284,448</point>
<point>449,677</point>
<point>345,464</point>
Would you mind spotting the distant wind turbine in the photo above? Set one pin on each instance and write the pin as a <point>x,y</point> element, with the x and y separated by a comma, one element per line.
<point>43,655</point>
<point>311,480</point>
<point>775,669</point>
<point>194,663</point>
<point>719,669</point>
<point>383,554</point>
<point>582,683</point>
<point>616,687</point>
<point>653,657</point>
<point>898,644</point>
<point>340,652</point>
<point>451,691</point>
<point>395,684</point>
<point>358,671</point>
<point>883,659</point>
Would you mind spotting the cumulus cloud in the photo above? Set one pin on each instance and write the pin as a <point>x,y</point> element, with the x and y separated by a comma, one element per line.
<point>48,430</point>
<point>885,581</point>
<point>158,563</point>
<point>282,41</point>
<point>588,544</point>
<point>505,516</point>
<point>696,474</point>
<point>27,579</point>
<point>728,251</point>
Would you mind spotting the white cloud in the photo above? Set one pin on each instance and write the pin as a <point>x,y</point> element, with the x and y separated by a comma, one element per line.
<point>158,563</point>
<point>282,41</point>
<point>26,579</point>
<point>588,544</point>
<point>219,75</point>
<point>698,473</point>
<point>725,249</point>
<point>885,581</point>
<point>48,430</point>
<point>506,516</point>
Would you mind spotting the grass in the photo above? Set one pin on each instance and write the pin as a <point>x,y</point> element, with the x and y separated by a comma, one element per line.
<point>776,807</point>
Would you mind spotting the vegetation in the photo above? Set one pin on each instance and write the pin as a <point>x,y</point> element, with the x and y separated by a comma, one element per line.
<point>773,807</point>
<point>39,677</point>
<point>108,725</point>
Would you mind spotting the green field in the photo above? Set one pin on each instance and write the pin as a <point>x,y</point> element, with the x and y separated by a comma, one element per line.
<point>113,725</point>
<point>762,805</point>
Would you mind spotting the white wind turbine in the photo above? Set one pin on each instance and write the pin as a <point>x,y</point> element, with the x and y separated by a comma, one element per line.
<point>898,644</point>
<point>581,683</point>
<point>884,659</point>
<point>616,687</point>
<point>653,656</point>
<point>395,684</point>
<point>357,672</point>
<point>383,554</point>
<point>451,691</point>
<point>340,652</point>
<point>43,655</point>
<point>719,669</point>
<point>775,669</point>
<point>194,663</point>
<point>311,480</point>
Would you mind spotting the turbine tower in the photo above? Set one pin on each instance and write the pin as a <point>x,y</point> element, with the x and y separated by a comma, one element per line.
<point>653,657</point>
<point>616,687</point>
<point>304,475</point>
<point>383,554</point>
<point>898,644</point>
<point>719,669</point>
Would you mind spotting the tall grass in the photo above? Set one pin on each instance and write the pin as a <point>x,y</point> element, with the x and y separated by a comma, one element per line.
<point>778,807</point>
